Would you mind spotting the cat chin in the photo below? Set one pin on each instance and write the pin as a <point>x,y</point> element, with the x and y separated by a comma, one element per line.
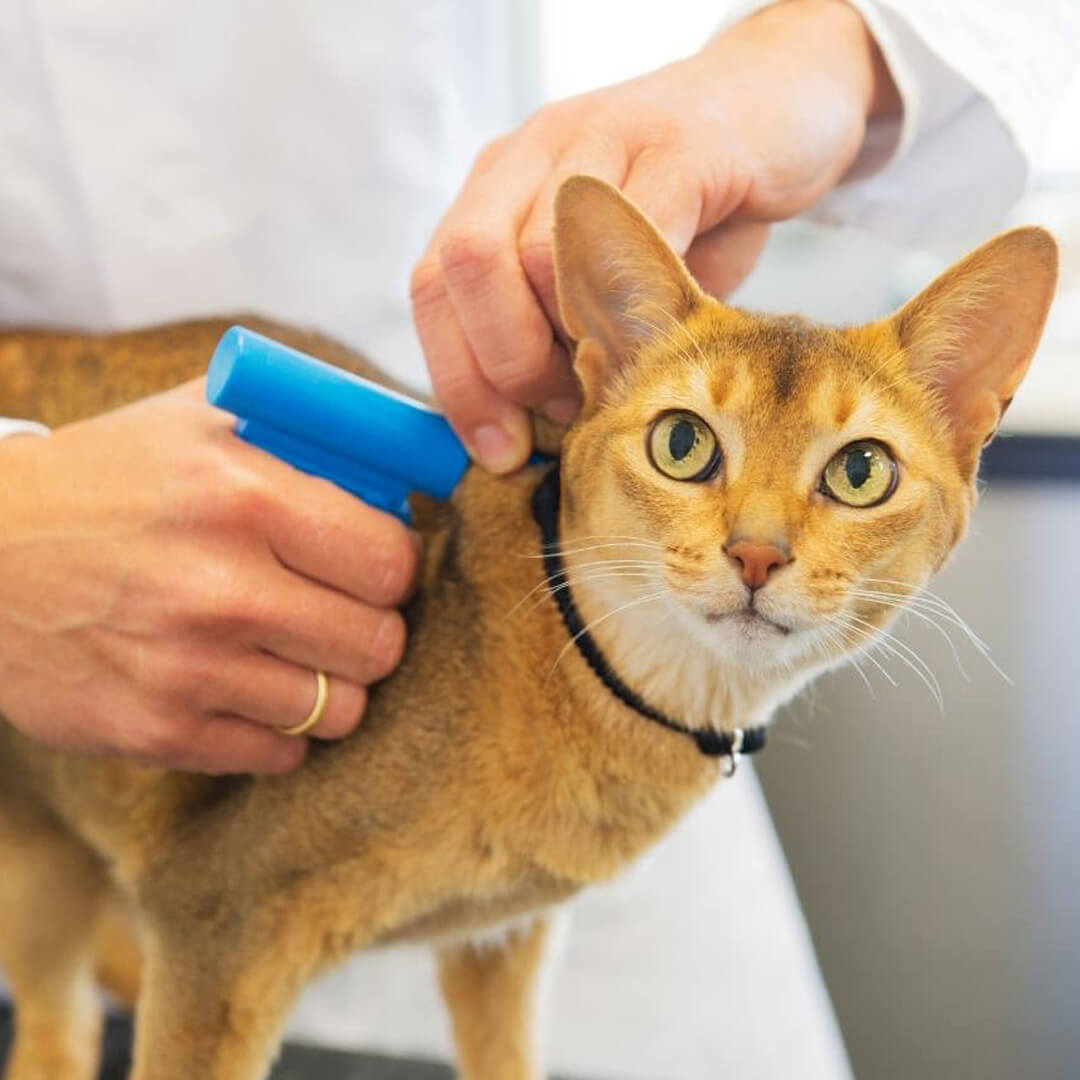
<point>765,647</point>
<point>747,639</point>
<point>750,621</point>
<point>753,643</point>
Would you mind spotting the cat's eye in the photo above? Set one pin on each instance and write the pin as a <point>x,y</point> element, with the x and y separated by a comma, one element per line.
<point>862,474</point>
<point>681,445</point>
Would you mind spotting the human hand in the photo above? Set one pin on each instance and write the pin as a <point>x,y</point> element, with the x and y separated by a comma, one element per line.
<point>755,128</point>
<point>167,590</point>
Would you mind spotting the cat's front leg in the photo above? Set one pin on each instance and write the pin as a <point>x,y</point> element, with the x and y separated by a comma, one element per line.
<point>214,1002</point>
<point>490,990</point>
<point>52,889</point>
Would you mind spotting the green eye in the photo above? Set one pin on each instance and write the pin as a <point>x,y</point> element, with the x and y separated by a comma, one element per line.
<point>862,474</point>
<point>681,445</point>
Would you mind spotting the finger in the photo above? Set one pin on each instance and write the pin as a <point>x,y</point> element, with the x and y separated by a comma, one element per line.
<point>268,690</point>
<point>112,719</point>
<point>495,430</point>
<point>507,329</point>
<point>563,386</point>
<point>670,187</point>
<point>606,160</point>
<point>536,251</point>
<point>484,334</point>
<point>202,743</point>
<point>191,397</point>
<point>320,531</point>
<point>723,257</point>
<point>503,286</point>
<point>232,744</point>
<point>319,629</point>
<point>667,195</point>
<point>194,390</point>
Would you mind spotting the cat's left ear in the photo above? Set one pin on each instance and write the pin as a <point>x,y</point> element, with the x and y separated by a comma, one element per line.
<point>619,284</point>
<point>971,334</point>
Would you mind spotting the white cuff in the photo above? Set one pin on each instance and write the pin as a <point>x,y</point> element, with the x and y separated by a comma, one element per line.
<point>949,169</point>
<point>21,427</point>
<point>932,93</point>
<point>950,166</point>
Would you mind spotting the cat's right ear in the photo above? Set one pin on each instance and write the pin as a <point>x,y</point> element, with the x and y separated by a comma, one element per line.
<point>618,283</point>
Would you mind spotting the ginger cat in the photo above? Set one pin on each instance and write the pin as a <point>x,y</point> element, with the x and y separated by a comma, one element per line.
<point>733,484</point>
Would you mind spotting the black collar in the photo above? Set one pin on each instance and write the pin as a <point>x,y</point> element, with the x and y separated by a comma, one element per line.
<point>545,507</point>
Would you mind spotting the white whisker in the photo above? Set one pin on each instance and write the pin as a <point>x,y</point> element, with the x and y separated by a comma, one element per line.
<point>909,609</point>
<point>834,638</point>
<point>855,642</point>
<point>603,618</point>
<point>598,575</point>
<point>589,543</point>
<point>606,564</point>
<point>933,604</point>
<point>902,651</point>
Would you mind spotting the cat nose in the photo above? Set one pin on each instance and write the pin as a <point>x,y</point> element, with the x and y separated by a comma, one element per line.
<point>757,561</point>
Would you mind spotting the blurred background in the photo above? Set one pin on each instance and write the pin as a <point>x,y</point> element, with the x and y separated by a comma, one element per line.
<point>934,847</point>
<point>936,851</point>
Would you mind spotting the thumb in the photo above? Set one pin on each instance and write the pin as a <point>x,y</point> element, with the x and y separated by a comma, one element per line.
<point>723,257</point>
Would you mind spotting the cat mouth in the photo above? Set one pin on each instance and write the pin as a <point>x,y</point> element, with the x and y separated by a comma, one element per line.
<point>748,617</point>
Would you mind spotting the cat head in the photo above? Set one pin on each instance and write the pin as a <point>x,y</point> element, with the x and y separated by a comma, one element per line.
<point>775,487</point>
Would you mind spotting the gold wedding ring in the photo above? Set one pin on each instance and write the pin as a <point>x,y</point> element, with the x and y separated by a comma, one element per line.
<point>322,696</point>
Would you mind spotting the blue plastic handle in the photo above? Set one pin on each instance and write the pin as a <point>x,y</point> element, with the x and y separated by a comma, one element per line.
<point>369,440</point>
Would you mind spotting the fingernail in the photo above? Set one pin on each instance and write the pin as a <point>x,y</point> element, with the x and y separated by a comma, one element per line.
<point>561,410</point>
<point>495,447</point>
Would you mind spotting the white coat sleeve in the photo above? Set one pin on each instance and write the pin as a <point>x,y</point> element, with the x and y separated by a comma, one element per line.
<point>21,427</point>
<point>979,81</point>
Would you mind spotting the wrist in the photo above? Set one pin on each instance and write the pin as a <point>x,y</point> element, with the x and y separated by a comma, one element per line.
<point>14,443</point>
<point>20,454</point>
<point>829,37</point>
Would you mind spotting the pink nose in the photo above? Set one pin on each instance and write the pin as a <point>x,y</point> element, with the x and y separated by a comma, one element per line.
<point>757,561</point>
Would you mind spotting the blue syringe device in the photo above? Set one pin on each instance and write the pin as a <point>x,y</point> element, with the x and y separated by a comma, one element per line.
<point>371,441</point>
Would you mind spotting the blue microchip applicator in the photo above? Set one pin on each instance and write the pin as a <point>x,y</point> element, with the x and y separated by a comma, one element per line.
<point>376,443</point>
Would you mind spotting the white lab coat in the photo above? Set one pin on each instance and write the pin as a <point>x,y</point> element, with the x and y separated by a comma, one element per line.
<point>175,159</point>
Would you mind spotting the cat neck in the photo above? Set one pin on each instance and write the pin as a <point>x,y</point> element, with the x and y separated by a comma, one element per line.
<point>668,668</point>
<point>603,780</point>
<point>677,679</point>
<point>500,549</point>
